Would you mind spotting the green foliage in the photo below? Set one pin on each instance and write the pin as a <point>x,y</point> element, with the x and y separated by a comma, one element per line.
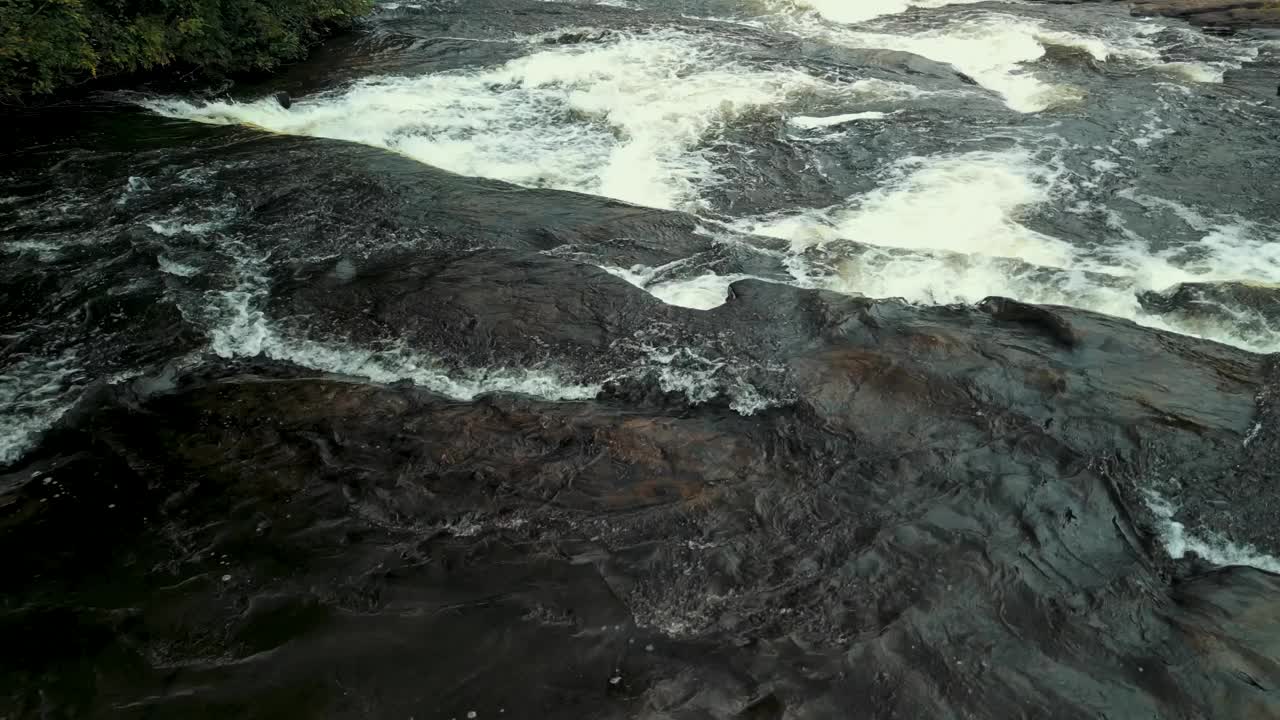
<point>47,44</point>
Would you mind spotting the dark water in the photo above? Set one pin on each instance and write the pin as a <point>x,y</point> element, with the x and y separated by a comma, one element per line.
<point>651,373</point>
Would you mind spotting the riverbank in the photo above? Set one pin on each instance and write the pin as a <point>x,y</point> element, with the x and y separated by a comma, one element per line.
<point>50,47</point>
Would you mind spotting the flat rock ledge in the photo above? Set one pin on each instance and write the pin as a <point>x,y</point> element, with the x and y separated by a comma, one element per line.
<point>1215,14</point>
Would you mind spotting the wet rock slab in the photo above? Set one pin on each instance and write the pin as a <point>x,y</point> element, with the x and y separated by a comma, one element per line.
<point>941,512</point>
<point>948,520</point>
<point>1225,14</point>
<point>1252,306</point>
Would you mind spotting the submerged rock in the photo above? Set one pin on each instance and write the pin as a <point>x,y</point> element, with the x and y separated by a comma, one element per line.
<point>1253,308</point>
<point>896,61</point>
<point>1265,299</point>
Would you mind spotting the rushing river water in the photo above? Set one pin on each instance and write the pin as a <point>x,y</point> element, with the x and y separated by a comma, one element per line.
<point>1109,153</point>
<point>941,153</point>
<point>1056,154</point>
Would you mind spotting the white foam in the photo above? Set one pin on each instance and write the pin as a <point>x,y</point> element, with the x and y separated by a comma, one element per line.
<point>941,278</point>
<point>632,116</point>
<point>1195,71</point>
<point>856,11</point>
<point>1252,434</point>
<point>173,267</point>
<point>1151,130</point>
<point>992,48</point>
<point>1228,53</point>
<point>700,378</point>
<point>398,364</point>
<point>1226,249</point>
<point>133,187</point>
<point>607,3</point>
<point>1210,546</point>
<point>43,250</point>
<point>996,49</point>
<point>169,228</point>
<point>703,386</point>
<point>949,229</point>
<point>34,393</point>
<point>1230,248</point>
<point>638,275</point>
<point>803,121</point>
<point>237,325</point>
<point>967,203</point>
<point>701,293</point>
<point>240,328</point>
<point>629,118</point>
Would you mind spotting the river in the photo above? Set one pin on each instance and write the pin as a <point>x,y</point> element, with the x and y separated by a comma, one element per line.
<point>926,154</point>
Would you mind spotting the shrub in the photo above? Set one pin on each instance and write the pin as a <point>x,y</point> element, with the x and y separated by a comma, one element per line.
<point>48,44</point>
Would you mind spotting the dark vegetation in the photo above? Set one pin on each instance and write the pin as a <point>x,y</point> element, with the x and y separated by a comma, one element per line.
<point>46,45</point>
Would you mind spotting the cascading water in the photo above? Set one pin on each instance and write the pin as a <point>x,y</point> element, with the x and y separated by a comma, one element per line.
<point>1043,159</point>
<point>941,300</point>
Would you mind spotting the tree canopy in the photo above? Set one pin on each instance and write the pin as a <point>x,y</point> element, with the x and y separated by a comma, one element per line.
<point>48,44</point>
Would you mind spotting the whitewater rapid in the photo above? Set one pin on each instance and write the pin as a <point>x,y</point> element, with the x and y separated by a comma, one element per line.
<point>645,116</point>
<point>939,152</point>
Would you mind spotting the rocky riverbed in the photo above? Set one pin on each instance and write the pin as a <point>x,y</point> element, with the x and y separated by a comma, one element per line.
<point>492,382</point>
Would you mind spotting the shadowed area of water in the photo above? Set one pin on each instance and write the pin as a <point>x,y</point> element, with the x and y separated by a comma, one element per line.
<point>671,359</point>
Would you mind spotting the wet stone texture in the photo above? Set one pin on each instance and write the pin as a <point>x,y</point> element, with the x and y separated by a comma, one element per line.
<point>1223,14</point>
<point>798,504</point>
<point>948,521</point>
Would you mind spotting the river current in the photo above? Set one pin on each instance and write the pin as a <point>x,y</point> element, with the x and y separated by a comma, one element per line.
<point>1049,153</point>
<point>1110,155</point>
<point>751,358</point>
